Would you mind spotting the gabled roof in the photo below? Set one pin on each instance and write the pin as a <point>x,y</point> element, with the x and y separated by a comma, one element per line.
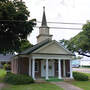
<point>30,50</point>
<point>53,48</point>
<point>64,48</point>
<point>43,44</point>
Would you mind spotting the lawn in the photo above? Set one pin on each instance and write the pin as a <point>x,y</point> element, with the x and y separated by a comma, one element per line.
<point>44,86</point>
<point>34,86</point>
<point>82,84</point>
<point>2,74</point>
<point>40,86</point>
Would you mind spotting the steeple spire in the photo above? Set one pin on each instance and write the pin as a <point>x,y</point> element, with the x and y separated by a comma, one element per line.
<point>44,29</point>
<point>44,21</point>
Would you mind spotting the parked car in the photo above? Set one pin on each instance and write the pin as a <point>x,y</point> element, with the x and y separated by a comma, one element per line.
<point>75,65</point>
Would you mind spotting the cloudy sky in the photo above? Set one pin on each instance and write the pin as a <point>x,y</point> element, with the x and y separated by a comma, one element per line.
<point>71,11</point>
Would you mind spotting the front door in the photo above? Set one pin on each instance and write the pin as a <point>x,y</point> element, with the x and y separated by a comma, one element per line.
<point>37,68</point>
<point>50,68</point>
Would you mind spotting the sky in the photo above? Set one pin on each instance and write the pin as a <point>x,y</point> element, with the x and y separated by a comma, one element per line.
<point>73,11</point>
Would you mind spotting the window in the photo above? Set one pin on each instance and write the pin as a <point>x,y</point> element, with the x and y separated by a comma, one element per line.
<point>36,66</point>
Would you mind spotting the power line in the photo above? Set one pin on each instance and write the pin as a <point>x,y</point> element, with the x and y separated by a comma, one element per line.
<point>40,22</point>
<point>63,23</point>
<point>49,22</point>
<point>66,28</point>
<point>62,28</point>
<point>12,21</point>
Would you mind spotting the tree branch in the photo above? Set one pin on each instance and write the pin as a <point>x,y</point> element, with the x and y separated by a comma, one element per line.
<point>84,54</point>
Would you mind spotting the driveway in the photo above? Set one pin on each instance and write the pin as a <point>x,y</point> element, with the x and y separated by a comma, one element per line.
<point>84,70</point>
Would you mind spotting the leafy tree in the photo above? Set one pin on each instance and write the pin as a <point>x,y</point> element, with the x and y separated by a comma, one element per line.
<point>77,57</point>
<point>24,45</point>
<point>81,42</point>
<point>14,25</point>
<point>64,42</point>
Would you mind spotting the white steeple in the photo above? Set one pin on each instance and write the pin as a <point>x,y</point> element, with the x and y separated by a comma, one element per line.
<point>44,29</point>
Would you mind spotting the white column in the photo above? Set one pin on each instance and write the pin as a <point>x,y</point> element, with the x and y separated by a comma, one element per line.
<point>46,69</point>
<point>64,69</point>
<point>71,75</point>
<point>59,69</point>
<point>29,66</point>
<point>33,68</point>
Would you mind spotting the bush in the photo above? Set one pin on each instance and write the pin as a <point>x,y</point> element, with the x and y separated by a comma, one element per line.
<point>5,66</point>
<point>80,76</point>
<point>17,79</point>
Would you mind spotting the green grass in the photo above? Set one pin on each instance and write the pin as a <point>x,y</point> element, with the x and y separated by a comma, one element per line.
<point>40,86</point>
<point>54,79</point>
<point>85,85</point>
<point>45,86</point>
<point>82,84</point>
<point>35,86</point>
<point>2,74</point>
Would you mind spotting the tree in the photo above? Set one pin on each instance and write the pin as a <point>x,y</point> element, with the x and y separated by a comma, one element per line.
<point>64,42</point>
<point>81,42</point>
<point>14,25</point>
<point>24,45</point>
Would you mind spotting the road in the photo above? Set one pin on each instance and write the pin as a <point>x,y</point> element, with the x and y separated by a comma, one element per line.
<point>84,70</point>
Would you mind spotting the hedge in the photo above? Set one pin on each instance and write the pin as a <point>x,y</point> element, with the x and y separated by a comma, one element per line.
<point>17,79</point>
<point>80,76</point>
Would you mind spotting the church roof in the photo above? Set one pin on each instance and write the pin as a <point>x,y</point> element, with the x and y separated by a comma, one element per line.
<point>41,44</point>
<point>44,21</point>
<point>30,50</point>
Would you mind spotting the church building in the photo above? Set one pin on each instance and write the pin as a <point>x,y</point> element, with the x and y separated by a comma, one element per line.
<point>48,58</point>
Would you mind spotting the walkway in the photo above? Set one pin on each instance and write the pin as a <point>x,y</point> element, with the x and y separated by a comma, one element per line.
<point>66,86</point>
<point>1,85</point>
<point>40,80</point>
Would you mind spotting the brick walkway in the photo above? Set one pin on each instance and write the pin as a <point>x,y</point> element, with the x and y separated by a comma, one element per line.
<point>66,86</point>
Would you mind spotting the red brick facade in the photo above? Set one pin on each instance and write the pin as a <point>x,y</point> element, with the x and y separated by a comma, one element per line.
<point>20,65</point>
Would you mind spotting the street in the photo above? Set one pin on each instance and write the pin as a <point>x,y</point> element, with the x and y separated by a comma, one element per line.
<point>84,70</point>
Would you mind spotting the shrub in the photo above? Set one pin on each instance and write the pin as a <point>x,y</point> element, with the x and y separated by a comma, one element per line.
<point>5,66</point>
<point>80,76</point>
<point>17,79</point>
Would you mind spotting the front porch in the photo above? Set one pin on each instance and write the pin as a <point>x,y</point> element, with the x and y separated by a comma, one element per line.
<point>43,66</point>
<point>47,68</point>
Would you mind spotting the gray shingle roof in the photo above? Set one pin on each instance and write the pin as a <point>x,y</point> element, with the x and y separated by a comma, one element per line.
<point>37,46</point>
<point>30,50</point>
